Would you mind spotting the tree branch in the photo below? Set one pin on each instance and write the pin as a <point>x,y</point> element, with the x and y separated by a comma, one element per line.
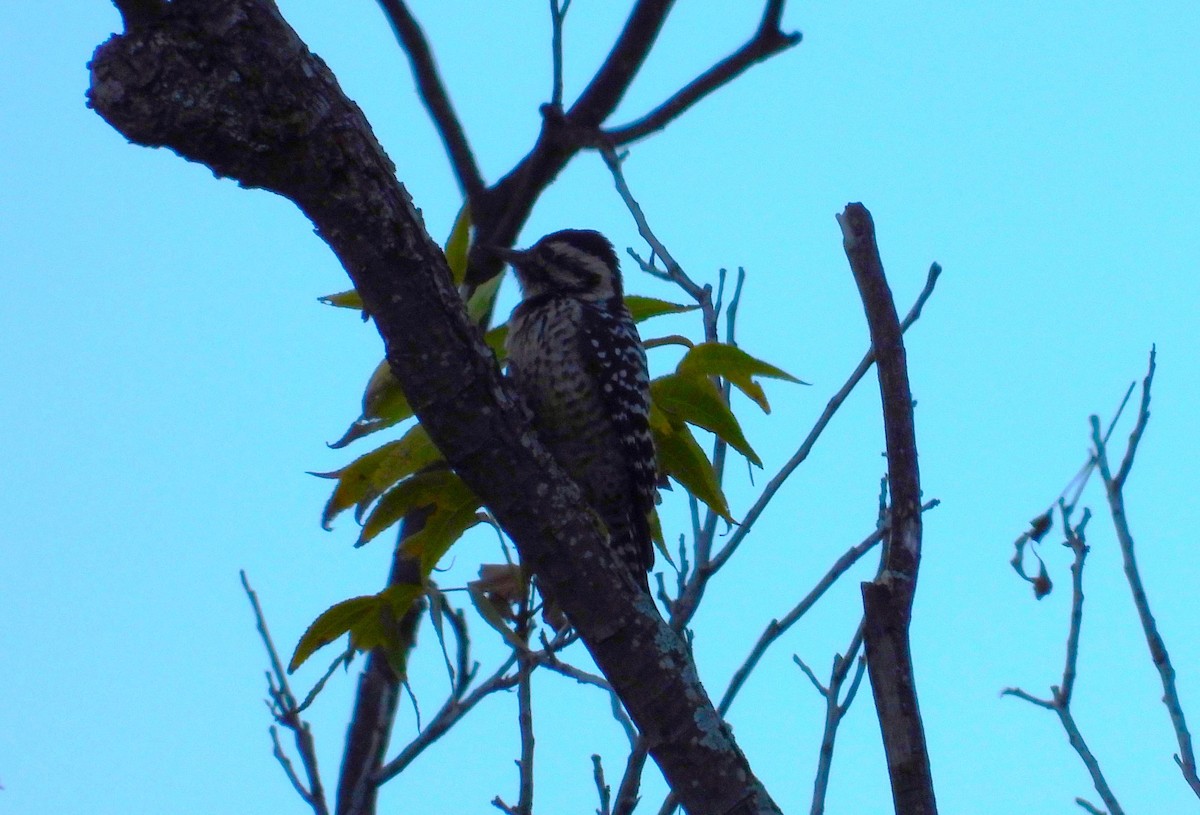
<point>227,83</point>
<point>1060,695</point>
<point>888,599</point>
<point>1114,487</point>
<point>433,95</point>
<point>285,710</point>
<point>768,40</point>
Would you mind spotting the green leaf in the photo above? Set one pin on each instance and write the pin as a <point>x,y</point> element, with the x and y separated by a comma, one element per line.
<point>680,457</point>
<point>384,405</point>
<point>484,296</point>
<point>345,299</point>
<point>372,622</point>
<point>734,364</point>
<point>495,340</point>
<point>454,513</point>
<point>368,476</point>
<point>643,308</point>
<point>458,243</point>
<point>695,399</point>
<point>436,491</point>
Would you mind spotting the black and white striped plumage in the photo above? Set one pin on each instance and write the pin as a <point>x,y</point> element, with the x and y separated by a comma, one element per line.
<point>576,358</point>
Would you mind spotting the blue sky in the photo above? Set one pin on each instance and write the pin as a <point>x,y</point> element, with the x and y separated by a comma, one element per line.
<point>170,377</point>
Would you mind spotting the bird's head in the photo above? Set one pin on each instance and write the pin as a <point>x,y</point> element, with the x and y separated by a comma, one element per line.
<point>579,263</point>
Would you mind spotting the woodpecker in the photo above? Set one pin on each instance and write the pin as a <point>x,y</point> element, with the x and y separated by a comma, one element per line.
<point>577,360</point>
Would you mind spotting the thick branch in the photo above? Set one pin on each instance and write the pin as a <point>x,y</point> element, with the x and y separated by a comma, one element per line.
<point>888,599</point>
<point>229,84</point>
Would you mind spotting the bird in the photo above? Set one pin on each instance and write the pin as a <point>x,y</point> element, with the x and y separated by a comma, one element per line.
<point>577,361</point>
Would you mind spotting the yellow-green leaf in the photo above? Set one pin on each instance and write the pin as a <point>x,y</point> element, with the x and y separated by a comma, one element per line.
<point>495,340</point>
<point>484,296</point>
<point>434,490</point>
<point>344,299</point>
<point>458,243</point>
<point>368,476</point>
<point>643,308</point>
<point>734,364</point>
<point>695,399</point>
<point>680,457</point>
<point>453,514</point>
<point>384,405</point>
<point>371,621</point>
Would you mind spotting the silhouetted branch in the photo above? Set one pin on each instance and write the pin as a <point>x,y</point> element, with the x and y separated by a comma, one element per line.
<point>767,41</point>
<point>888,599</point>
<point>285,711</point>
<point>1114,486</point>
<point>433,95</point>
<point>602,788</point>
<point>739,534</point>
<point>835,709</point>
<point>1060,698</point>
<point>558,16</point>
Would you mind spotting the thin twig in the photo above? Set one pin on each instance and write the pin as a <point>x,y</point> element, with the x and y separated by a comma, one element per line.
<point>1060,695</point>
<point>835,710</point>
<point>802,453</point>
<point>558,15</point>
<point>452,710</point>
<point>701,294</point>
<point>287,713</point>
<point>627,793</point>
<point>602,789</point>
<point>767,41</point>
<point>553,663</point>
<point>1114,486</point>
<point>433,95</point>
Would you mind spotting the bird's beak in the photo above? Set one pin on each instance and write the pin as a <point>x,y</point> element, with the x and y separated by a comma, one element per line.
<point>513,256</point>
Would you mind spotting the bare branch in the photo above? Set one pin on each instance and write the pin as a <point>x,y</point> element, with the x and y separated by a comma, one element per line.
<point>1114,487</point>
<point>602,788</point>
<point>888,599</point>
<point>287,713</point>
<point>834,710</point>
<point>558,15</point>
<point>675,273</point>
<point>1060,695</point>
<point>767,41</point>
<point>627,793</point>
<point>434,97</point>
<point>802,453</point>
<point>452,710</point>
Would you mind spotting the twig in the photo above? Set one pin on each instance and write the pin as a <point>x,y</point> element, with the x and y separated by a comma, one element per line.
<point>767,41</point>
<point>1087,807</point>
<point>602,789</point>
<point>525,666</point>
<point>887,601</point>
<point>286,712</point>
<point>776,628</point>
<point>452,710</point>
<point>558,14</point>
<point>627,793</point>
<point>835,710</point>
<point>1060,695</point>
<point>552,663</point>
<point>802,453</point>
<point>1114,487</point>
<point>701,294</point>
<point>433,95</point>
